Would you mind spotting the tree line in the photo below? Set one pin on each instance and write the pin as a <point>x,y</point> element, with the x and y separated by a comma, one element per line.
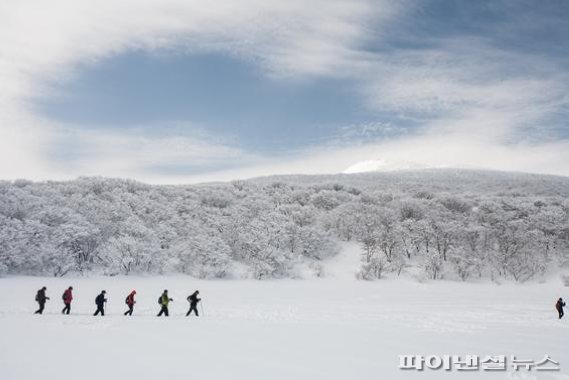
<point>433,224</point>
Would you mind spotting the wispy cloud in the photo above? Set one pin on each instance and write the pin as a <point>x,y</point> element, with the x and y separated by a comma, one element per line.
<point>473,99</point>
<point>128,153</point>
<point>45,43</point>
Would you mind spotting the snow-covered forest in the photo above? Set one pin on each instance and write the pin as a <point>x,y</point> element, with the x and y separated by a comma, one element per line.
<point>439,224</point>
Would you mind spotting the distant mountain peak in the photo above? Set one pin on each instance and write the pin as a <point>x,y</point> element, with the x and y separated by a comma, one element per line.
<point>381,165</point>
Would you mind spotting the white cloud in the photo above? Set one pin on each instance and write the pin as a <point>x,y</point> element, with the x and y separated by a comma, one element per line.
<point>453,80</point>
<point>46,42</point>
<point>128,153</point>
<point>478,105</point>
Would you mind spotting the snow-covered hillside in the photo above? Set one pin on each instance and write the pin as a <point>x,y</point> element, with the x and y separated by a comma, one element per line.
<point>448,224</point>
<point>303,330</point>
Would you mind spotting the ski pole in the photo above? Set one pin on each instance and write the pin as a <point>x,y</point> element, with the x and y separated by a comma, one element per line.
<point>201,307</point>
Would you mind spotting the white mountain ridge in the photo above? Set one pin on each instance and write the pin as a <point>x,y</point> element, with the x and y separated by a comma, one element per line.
<point>382,165</point>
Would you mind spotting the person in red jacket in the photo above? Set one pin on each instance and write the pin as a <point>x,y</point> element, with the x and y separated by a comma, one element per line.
<point>67,298</point>
<point>130,302</point>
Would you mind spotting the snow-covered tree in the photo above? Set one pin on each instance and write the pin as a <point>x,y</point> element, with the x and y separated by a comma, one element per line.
<point>451,224</point>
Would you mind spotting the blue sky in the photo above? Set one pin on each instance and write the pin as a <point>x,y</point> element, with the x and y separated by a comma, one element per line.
<point>213,93</point>
<point>173,91</point>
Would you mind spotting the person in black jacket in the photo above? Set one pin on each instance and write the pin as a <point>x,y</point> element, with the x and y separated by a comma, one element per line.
<point>559,306</point>
<point>100,301</point>
<point>41,298</point>
<point>193,300</point>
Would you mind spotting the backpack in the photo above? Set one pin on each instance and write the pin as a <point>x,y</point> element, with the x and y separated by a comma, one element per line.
<point>126,299</point>
<point>160,300</point>
<point>63,296</point>
<point>37,296</point>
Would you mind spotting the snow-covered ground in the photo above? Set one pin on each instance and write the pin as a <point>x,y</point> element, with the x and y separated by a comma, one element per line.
<point>336,328</point>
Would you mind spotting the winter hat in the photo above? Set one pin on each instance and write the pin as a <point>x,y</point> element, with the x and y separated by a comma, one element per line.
<point>44,288</point>
<point>133,292</point>
<point>104,291</point>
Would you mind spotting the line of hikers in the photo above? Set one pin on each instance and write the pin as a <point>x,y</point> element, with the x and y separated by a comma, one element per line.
<point>164,300</point>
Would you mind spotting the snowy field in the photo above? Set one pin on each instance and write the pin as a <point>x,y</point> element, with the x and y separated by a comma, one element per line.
<point>295,329</point>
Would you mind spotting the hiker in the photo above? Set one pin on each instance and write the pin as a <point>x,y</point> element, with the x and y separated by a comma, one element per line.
<point>67,298</point>
<point>130,302</point>
<point>164,300</point>
<point>100,301</point>
<point>41,299</point>
<point>559,306</point>
<point>193,300</point>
